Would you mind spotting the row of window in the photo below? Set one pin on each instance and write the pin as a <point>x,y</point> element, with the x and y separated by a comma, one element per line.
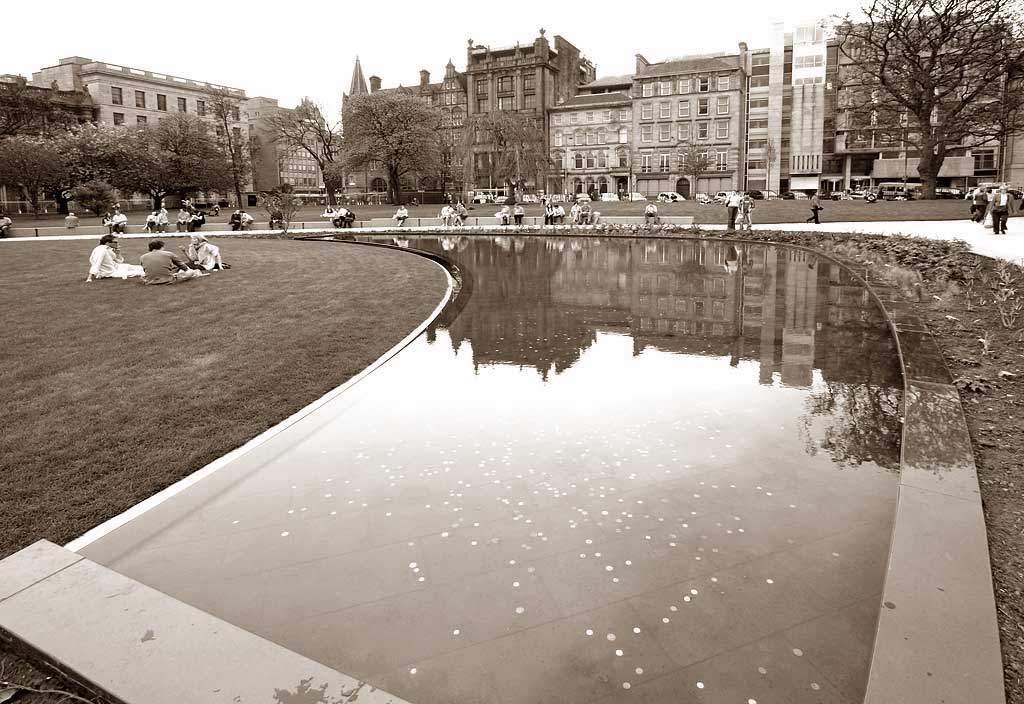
<point>700,84</point>
<point>722,104</point>
<point>507,102</point>
<point>506,84</point>
<point>718,160</point>
<point>598,136</point>
<point>142,121</point>
<point>575,118</point>
<point>685,131</point>
<point>141,101</point>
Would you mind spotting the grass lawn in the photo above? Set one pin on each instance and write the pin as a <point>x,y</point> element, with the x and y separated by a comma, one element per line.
<point>113,390</point>
<point>776,211</point>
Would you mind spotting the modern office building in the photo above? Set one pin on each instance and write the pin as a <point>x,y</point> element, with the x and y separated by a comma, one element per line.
<point>274,165</point>
<point>590,136</point>
<point>690,100</point>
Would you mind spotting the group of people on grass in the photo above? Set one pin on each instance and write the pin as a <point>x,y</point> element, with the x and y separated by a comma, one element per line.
<point>157,266</point>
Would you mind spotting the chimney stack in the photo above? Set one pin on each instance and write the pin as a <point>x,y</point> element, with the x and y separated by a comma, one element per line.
<point>374,84</point>
<point>424,78</point>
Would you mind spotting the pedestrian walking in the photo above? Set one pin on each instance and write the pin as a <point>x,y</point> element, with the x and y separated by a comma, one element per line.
<point>815,209</point>
<point>746,210</point>
<point>979,204</point>
<point>1002,203</point>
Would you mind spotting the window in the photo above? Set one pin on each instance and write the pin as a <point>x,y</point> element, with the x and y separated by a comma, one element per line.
<point>703,85</point>
<point>140,120</point>
<point>703,106</point>
<point>648,90</point>
<point>665,88</point>
<point>140,99</point>
<point>506,84</point>
<point>623,135</point>
<point>758,103</point>
<point>558,139</point>
<point>234,114</point>
<point>684,131</point>
<point>556,119</point>
<point>590,117</point>
<point>664,132</point>
<point>574,118</point>
<point>623,114</point>
<point>722,129</point>
<point>602,135</point>
<point>607,115</point>
<point>647,111</point>
<point>758,81</point>
<point>757,124</point>
<point>645,163</point>
<point>602,160</point>
<point>756,165</point>
<point>702,130</point>
<point>665,111</point>
<point>646,133</point>
<point>559,160</point>
<point>723,83</point>
<point>722,159</point>
<point>529,82</point>
<point>506,102</point>
<point>684,108</point>
<point>814,61</point>
<point>984,159</point>
<point>760,60</point>
<point>182,105</point>
<point>591,137</point>
<point>807,35</point>
<point>663,162</point>
<point>530,101</point>
<point>118,118</point>
<point>622,159</point>
<point>723,105</point>
<point>481,88</point>
<point>161,102</point>
<point>482,105</point>
<point>757,143</point>
<point>684,85</point>
<point>115,96</point>
<point>578,161</point>
<point>591,161</point>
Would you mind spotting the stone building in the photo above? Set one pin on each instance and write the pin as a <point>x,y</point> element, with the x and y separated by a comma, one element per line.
<point>685,101</point>
<point>590,137</point>
<point>527,79</point>
<point>273,165</point>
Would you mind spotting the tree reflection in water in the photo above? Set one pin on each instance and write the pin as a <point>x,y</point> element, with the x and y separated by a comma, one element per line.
<point>539,302</point>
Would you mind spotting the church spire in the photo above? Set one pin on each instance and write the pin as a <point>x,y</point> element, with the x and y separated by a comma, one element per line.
<point>358,86</point>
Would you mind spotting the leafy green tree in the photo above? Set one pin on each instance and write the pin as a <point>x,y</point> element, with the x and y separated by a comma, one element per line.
<point>95,196</point>
<point>32,164</point>
<point>396,130</point>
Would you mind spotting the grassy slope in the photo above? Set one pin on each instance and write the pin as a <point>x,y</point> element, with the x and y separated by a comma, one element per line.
<point>113,390</point>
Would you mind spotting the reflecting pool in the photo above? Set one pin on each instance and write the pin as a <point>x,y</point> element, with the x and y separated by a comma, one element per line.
<point>613,470</point>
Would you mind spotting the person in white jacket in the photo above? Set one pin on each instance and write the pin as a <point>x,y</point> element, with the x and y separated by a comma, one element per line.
<point>203,254</point>
<point>107,262</point>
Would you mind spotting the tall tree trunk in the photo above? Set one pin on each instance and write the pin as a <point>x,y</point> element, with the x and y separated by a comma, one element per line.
<point>394,186</point>
<point>928,166</point>
<point>62,198</point>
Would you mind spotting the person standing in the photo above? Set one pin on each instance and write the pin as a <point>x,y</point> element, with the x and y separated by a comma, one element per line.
<point>71,222</point>
<point>732,205</point>
<point>745,213</point>
<point>1002,202</point>
<point>979,204</point>
<point>815,209</point>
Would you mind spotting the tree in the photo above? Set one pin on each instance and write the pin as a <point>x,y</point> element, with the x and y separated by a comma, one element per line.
<point>517,146</point>
<point>95,196</point>
<point>306,129</point>
<point>27,110</point>
<point>931,75</point>
<point>694,161</point>
<point>224,107</point>
<point>176,156</point>
<point>281,204</point>
<point>32,164</point>
<point>396,130</point>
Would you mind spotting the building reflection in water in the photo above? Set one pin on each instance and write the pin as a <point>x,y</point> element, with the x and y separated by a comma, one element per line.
<point>804,320</point>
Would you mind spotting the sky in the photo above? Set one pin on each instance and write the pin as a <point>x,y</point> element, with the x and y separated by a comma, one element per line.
<point>267,49</point>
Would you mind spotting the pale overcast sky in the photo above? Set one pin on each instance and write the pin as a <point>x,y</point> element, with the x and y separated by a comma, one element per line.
<point>308,48</point>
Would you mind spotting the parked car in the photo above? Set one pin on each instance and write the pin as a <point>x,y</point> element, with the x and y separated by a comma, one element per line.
<point>948,193</point>
<point>670,197</point>
<point>723,196</point>
<point>482,198</point>
<point>764,195</point>
<point>636,197</point>
<point>897,190</point>
<point>609,197</point>
<point>703,198</point>
<point>529,198</point>
<point>794,195</point>
<point>500,200</point>
<point>582,198</point>
<point>839,195</point>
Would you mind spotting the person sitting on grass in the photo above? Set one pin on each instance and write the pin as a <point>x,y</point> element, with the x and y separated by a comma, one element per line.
<point>203,255</point>
<point>401,215</point>
<point>651,214</point>
<point>107,262</point>
<point>162,267</point>
<point>247,221</point>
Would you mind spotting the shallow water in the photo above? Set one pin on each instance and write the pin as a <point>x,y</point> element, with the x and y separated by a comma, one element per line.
<point>630,470</point>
